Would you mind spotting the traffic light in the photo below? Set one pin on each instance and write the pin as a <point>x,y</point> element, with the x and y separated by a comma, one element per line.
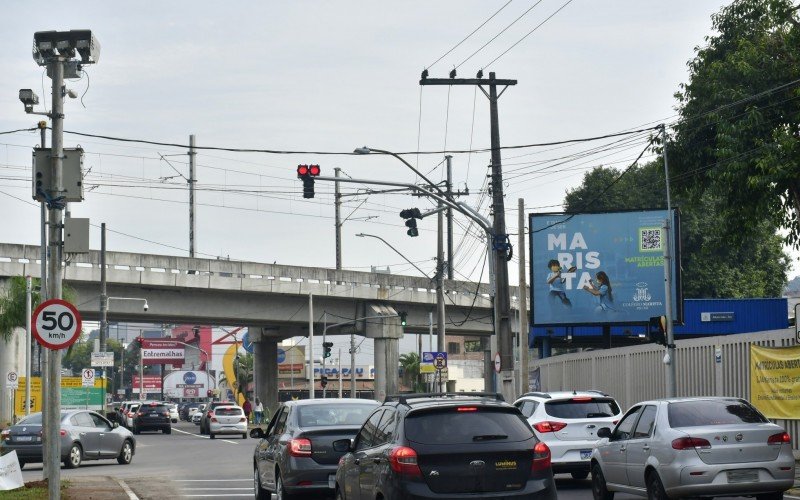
<point>326,349</point>
<point>411,215</point>
<point>323,381</point>
<point>307,173</point>
<point>403,315</point>
<point>657,329</point>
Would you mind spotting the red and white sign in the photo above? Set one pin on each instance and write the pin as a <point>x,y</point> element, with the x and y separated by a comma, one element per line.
<point>191,392</point>
<point>162,352</point>
<point>497,362</point>
<point>150,382</point>
<point>56,324</point>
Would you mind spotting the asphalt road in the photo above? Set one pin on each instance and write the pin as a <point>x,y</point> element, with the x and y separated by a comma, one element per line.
<point>185,464</point>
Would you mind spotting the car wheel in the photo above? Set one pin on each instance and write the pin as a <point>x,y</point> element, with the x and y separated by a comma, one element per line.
<point>655,490</point>
<point>599,490</point>
<point>75,457</point>
<point>261,493</point>
<point>212,435</point>
<point>778,495</point>
<point>280,493</point>
<point>580,475</point>
<point>126,454</point>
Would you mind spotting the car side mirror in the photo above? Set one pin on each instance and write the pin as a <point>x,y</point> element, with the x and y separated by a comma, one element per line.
<point>116,425</point>
<point>343,445</point>
<point>257,433</point>
<point>604,432</point>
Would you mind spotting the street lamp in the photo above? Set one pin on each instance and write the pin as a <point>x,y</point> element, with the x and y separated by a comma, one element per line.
<point>365,151</point>
<point>362,235</point>
<point>145,307</point>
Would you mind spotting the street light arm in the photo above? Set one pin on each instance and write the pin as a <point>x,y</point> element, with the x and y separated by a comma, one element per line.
<point>361,235</point>
<point>366,150</point>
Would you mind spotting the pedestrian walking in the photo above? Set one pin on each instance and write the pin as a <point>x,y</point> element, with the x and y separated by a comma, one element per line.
<point>247,407</point>
<point>259,411</point>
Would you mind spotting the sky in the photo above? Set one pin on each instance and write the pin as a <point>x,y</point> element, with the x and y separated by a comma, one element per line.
<point>320,77</point>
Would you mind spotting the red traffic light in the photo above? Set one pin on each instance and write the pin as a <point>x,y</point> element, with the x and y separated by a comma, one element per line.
<point>308,170</point>
<point>313,170</point>
<point>302,170</point>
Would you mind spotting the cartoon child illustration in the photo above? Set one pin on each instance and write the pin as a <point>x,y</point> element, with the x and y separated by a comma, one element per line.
<point>600,287</point>
<point>556,282</point>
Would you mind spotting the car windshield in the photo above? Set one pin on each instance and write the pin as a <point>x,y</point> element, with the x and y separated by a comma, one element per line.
<point>334,414</point>
<point>712,412</point>
<point>226,411</point>
<point>456,425</point>
<point>582,407</point>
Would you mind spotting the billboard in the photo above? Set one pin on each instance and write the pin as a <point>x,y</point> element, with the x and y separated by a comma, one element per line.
<point>162,352</point>
<point>775,381</point>
<point>601,268</point>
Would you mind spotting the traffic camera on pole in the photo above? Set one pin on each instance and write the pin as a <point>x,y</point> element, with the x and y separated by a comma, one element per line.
<point>307,174</point>
<point>411,215</point>
<point>326,349</point>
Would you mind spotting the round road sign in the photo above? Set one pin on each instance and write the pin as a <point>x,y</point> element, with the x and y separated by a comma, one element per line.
<point>497,362</point>
<point>56,324</point>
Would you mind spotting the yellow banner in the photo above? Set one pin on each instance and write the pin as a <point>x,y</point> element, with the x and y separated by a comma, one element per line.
<point>36,392</point>
<point>775,381</point>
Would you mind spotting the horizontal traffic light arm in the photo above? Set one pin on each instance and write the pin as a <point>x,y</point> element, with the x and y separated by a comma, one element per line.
<point>461,207</point>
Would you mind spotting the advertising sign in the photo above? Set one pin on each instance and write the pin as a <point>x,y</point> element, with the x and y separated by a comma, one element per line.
<point>186,383</point>
<point>73,394</point>
<point>150,382</point>
<point>101,359</point>
<point>775,381</point>
<point>598,268</point>
<point>162,351</point>
<point>433,361</point>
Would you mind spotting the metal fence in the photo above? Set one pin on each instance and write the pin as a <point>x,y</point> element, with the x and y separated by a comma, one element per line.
<point>711,366</point>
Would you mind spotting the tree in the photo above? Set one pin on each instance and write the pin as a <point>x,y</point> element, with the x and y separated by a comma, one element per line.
<point>410,365</point>
<point>12,305</point>
<point>739,133</point>
<point>712,267</point>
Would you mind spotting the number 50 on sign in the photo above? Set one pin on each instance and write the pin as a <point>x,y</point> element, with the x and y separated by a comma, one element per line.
<point>56,324</point>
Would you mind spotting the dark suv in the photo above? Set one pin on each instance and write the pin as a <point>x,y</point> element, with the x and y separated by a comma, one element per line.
<point>444,446</point>
<point>152,417</point>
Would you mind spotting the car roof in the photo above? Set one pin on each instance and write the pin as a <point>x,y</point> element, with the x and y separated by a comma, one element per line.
<point>565,394</point>
<point>432,400</point>
<point>320,402</point>
<point>688,399</point>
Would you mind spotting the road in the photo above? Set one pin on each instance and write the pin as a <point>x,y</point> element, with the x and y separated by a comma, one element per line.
<point>185,464</point>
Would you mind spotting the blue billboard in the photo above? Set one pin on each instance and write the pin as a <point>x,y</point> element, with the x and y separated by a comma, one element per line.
<point>599,268</point>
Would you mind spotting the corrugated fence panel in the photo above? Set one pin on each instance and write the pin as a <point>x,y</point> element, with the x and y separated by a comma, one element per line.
<point>638,373</point>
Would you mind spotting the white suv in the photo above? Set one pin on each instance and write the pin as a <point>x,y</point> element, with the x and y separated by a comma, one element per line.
<point>568,422</point>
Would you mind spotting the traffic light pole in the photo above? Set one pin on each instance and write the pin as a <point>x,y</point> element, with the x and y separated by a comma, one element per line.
<point>440,312</point>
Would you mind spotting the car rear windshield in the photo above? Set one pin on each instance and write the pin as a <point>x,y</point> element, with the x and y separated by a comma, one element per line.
<point>223,411</point>
<point>582,407</point>
<point>153,408</point>
<point>333,414</point>
<point>712,412</point>
<point>456,425</point>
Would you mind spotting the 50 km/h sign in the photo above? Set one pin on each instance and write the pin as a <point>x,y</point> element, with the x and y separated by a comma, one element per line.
<point>56,324</point>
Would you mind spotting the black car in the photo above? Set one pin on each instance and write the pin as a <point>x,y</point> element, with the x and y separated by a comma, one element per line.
<point>152,417</point>
<point>183,410</point>
<point>295,454</point>
<point>456,445</point>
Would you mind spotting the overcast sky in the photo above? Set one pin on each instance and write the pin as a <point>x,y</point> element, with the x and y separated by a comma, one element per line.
<point>331,76</point>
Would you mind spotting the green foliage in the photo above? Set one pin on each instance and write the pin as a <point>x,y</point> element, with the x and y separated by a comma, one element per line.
<point>79,356</point>
<point>410,365</point>
<point>712,266</point>
<point>743,150</point>
<point>12,304</point>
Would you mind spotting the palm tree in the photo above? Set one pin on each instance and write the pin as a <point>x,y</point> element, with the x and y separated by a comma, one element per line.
<point>410,364</point>
<point>12,305</point>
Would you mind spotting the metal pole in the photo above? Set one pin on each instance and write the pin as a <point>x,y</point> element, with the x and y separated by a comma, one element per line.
<point>337,201</point>
<point>502,299</point>
<point>324,339</point>
<point>352,364</point>
<point>141,372</point>
<point>429,383</point>
<point>449,218</point>
<point>340,373</point>
<point>440,332</point>
<point>103,296</point>
<point>28,291</point>
<point>310,346</point>
<point>670,363</point>
<point>53,467</point>
<point>523,302</point>
<point>192,201</point>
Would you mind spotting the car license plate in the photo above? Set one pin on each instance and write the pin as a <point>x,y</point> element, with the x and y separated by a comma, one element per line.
<point>24,438</point>
<point>743,476</point>
<point>586,454</point>
<point>332,481</point>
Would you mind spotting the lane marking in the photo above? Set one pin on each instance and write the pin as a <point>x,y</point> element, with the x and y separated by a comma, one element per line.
<point>211,480</point>
<point>215,489</point>
<point>248,495</point>
<point>191,434</point>
<point>128,490</point>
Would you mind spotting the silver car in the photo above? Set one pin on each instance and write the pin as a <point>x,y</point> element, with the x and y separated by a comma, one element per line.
<point>691,447</point>
<point>227,420</point>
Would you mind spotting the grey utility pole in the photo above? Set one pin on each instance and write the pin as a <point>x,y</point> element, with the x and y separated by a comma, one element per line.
<point>449,192</point>
<point>441,343</point>
<point>337,199</point>
<point>103,299</point>
<point>669,359</point>
<point>500,244</point>
<point>192,200</point>
<point>352,364</point>
<point>310,346</point>
<point>523,303</point>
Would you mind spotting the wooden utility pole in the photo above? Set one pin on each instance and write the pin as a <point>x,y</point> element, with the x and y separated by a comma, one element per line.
<point>501,245</point>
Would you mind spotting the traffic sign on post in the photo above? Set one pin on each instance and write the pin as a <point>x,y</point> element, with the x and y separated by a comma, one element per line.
<point>56,324</point>
<point>87,375</point>
<point>497,362</point>
<point>101,359</point>
<point>12,380</point>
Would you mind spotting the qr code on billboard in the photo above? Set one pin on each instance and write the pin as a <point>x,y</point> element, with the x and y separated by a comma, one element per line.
<point>650,239</point>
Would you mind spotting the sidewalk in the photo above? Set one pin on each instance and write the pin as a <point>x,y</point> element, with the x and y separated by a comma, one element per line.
<point>795,492</point>
<point>97,488</point>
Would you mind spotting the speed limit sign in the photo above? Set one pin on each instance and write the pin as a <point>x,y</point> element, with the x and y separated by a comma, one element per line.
<point>56,324</point>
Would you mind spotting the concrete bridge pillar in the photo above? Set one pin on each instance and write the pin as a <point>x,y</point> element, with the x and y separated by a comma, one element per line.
<point>265,367</point>
<point>384,327</point>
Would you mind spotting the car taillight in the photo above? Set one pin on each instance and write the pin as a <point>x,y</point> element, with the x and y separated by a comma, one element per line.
<point>541,457</point>
<point>403,460</point>
<point>780,438</point>
<point>300,447</point>
<point>690,442</point>
<point>467,408</point>
<point>4,435</point>
<point>166,414</point>
<point>242,419</point>
<point>214,419</point>
<point>62,432</point>
<point>582,398</point>
<point>141,413</point>
<point>547,426</point>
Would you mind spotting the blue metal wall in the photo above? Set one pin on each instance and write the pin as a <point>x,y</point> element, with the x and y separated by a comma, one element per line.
<point>749,315</point>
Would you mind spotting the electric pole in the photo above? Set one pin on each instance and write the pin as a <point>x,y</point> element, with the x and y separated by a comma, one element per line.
<point>500,245</point>
<point>668,258</point>
<point>441,343</point>
<point>103,298</point>
<point>523,303</point>
<point>192,201</point>
<point>449,192</point>
<point>337,199</point>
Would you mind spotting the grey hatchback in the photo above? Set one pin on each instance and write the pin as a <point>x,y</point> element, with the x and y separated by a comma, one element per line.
<point>295,454</point>
<point>85,435</point>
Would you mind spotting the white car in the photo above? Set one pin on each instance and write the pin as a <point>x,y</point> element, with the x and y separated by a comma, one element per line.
<point>567,422</point>
<point>132,409</point>
<point>227,420</point>
<point>173,412</point>
<point>195,414</point>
